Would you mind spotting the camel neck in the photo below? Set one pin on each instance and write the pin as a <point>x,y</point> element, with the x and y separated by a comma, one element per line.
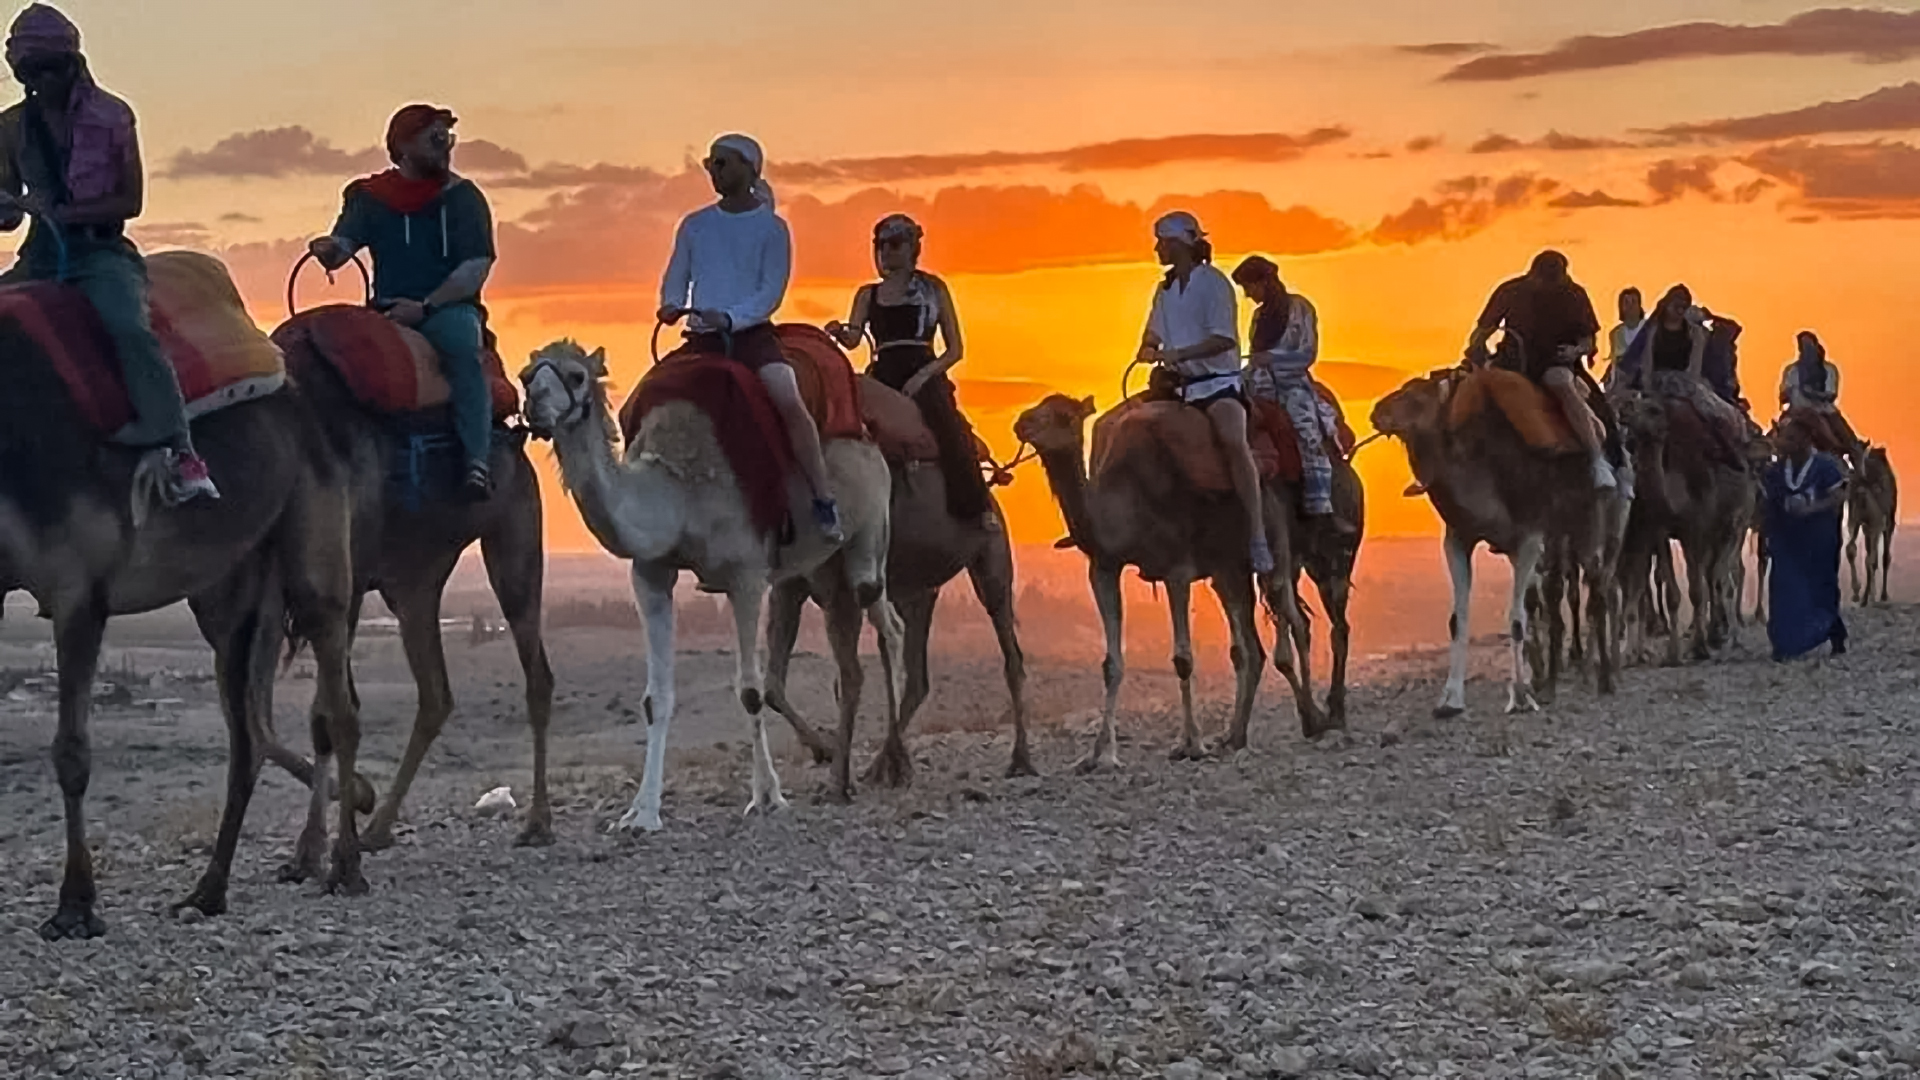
<point>1067,476</point>
<point>617,516</point>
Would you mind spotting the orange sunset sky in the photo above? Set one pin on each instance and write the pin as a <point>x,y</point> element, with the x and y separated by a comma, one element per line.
<point>1399,157</point>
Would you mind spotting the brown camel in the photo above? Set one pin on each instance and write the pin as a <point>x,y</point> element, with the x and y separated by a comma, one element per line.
<point>272,547</point>
<point>929,548</point>
<point>1873,509</point>
<point>1325,556</point>
<point>408,553</point>
<point>1138,510</point>
<point>1686,492</point>
<point>1490,487</point>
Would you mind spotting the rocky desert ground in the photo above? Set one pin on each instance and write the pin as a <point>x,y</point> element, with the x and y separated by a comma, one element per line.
<point>1709,875</point>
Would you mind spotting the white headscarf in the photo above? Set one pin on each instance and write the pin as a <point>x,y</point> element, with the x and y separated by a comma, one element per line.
<point>756,159</point>
<point>1179,225</point>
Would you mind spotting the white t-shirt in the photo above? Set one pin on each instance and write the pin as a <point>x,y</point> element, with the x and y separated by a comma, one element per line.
<point>1185,316</point>
<point>1620,338</point>
<point>736,263</point>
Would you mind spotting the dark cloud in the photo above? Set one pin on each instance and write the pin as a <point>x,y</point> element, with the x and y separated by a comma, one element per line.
<point>1462,207</point>
<point>1669,180</point>
<point>237,217</point>
<point>1552,141</point>
<point>1116,156</point>
<point>1588,200</point>
<point>271,153</point>
<point>481,157</point>
<point>1860,180</point>
<point>1893,108</point>
<point>1864,35</point>
<point>1448,48</point>
<point>1423,143</point>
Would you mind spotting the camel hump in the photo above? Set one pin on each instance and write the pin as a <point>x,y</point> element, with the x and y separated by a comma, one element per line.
<point>389,368</point>
<point>1533,412</point>
<point>895,422</point>
<point>1184,432</point>
<point>218,355</point>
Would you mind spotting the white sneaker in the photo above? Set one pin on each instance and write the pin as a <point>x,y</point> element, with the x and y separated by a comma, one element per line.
<point>1603,478</point>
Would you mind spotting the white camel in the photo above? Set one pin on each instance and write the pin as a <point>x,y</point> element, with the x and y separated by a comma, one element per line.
<point>673,503</point>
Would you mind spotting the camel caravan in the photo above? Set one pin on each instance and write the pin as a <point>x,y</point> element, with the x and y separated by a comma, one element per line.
<point>157,446</point>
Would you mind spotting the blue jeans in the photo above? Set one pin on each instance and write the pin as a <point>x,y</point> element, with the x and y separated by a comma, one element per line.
<point>455,333</point>
<point>114,278</point>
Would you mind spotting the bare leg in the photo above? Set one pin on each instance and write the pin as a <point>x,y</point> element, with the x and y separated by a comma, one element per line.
<point>745,599</point>
<point>1525,562</point>
<point>1230,424</point>
<point>77,632</point>
<point>653,589</point>
<point>1106,597</point>
<point>785,389</point>
<point>992,578</point>
<point>784,603</point>
<point>1571,395</point>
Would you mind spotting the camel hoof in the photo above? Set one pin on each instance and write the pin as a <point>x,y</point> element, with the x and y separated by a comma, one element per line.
<point>347,881</point>
<point>1021,765</point>
<point>634,821</point>
<point>767,807</point>
<point>1188,751</point>
<point>377,838</point>
<point>752,701</point>
<point>73,922</point>
<point>1097,762</point>
<point>1449,712</point>
<point>206,899</point>
<point>535,833</point>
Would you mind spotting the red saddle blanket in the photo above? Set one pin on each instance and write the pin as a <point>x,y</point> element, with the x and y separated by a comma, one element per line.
<point>218,354</point>
<point>1187,434</point>
<point>388,367</point>
<point>745,421</point>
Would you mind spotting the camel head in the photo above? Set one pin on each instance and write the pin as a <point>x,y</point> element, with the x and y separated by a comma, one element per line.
<point>1056,425</point>
<point>561,381</point>
<point>1644,415</point>
<point>1418,406</point>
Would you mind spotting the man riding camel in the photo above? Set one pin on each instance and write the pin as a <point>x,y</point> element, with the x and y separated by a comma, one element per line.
<point>1810,388</point>
<point>431,234</point>
<point>70,158</point>
<point>1555,326</point>
<point>729,272</point>
<point>1193,334</point>
<point>1282,345</point>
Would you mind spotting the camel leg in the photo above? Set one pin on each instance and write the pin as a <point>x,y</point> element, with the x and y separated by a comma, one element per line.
<point>269,641</point>
<point>653,591</point>
<point>1453,699</point>
<point>1700,595</point>
<point>78,628</point>
<point>229,622</point>
<point>1553,596</point>
<point>1237,600</point>
<point>891,632</point>
<point>1886,555</point>
<point>309,850</point>
<point>1853,551</point>
<point>1293,650</point>
<point>333,704</point>
<point>842,610</point>
<point>745,600</point>
<point>1601,633</point>
<point>1576,648</point>
<point>1334,591</point>
<point>417,609</point>
<point>1180,610</point>
<point>992,577</point>
<point>1524,562</point>
<point>1113,671</point>
<point>515,558</point>
<point>1763,567</point>
<point>893,766</point>
<point>784,604</point>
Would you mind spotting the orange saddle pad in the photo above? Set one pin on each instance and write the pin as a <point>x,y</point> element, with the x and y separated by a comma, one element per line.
<point>389,368</point>
<point>218,354</point>
<point>1529,408</point>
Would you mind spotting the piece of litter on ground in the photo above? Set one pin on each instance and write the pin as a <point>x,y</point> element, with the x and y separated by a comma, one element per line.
<point>497,801</point>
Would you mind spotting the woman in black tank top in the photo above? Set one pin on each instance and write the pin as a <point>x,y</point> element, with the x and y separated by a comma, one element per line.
<point>1678,343</point>
<point>902,312</point>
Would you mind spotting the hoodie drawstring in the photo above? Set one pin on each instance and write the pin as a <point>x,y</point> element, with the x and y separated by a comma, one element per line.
<point>446,251</point>
<point>406,223</point>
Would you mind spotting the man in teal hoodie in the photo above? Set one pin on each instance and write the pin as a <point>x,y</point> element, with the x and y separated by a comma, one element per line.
<point>431,234</point>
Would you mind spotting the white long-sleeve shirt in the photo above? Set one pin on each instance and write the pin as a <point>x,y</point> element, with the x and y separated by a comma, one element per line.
<point>736,263</point>
<point>1185,316</point>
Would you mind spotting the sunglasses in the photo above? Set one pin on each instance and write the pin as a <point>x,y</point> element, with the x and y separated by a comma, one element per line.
<point>442,140</point>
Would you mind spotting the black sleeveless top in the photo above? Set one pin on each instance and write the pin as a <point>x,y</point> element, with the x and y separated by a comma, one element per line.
<point>902,339</point>
<point>1672,349</point>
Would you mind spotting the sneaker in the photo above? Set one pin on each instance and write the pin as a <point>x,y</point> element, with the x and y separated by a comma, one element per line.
<point>477,484</point>
<point>1414,490</point>
<point>189,479</point>
<point>1261,556</point>
<point>826,515</point>
<point>1603,478</point>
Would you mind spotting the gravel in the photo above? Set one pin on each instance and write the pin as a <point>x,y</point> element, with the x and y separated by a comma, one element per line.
<point>1710,875</point>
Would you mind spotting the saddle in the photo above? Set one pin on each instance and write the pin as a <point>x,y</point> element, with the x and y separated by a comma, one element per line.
<point>390,369</point>
<point>1533,412</point>
<point>898,428</point>
<point>1187,436</point>
<point>219,356</point>
<point>745,421</point>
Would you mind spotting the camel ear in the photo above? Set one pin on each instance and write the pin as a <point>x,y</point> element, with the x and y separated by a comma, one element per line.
<point>597,361</point>
<point>1086,406</point>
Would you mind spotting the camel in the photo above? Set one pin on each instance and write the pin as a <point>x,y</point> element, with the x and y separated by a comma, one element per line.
<point>671,502</point>
<point>273,547</point>
<point>1490,487</point>
<point>1685,494</point>
<point>408,554</point>
<point>930,547</point>
<point>1873,509</point>
<point>1326,557</point>
<point>1139,511</point>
